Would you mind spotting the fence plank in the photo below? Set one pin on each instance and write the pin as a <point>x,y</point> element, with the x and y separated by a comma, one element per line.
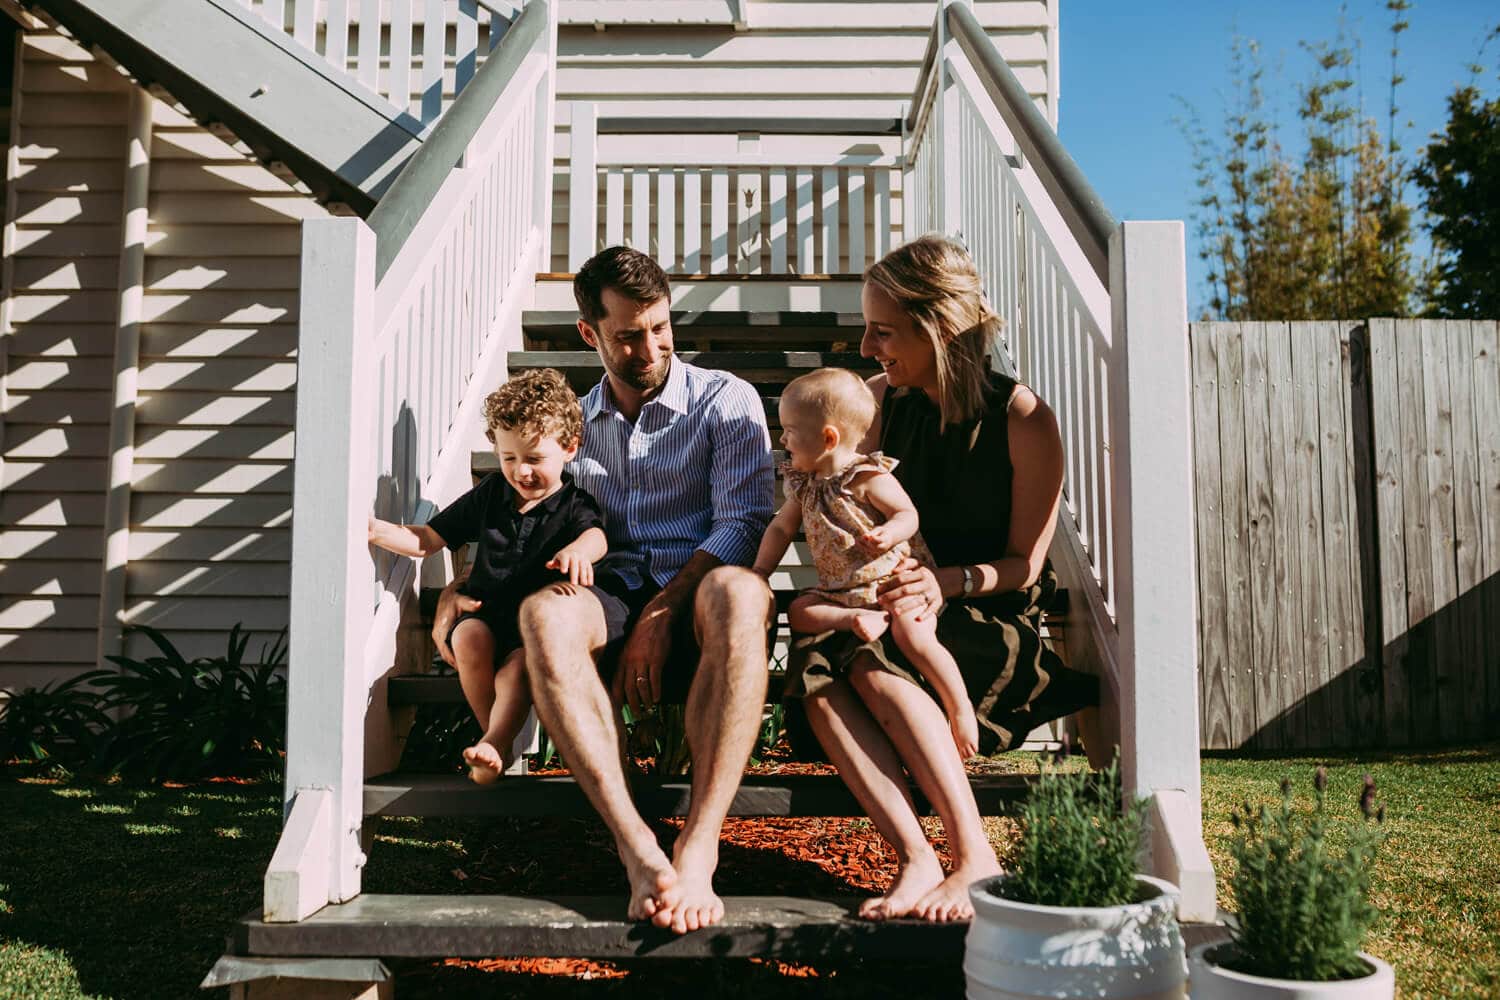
<point>1365,721</point>
<point>1485,376</point>
<point>1468,722</point>
<point>1288,663</point>
<point>1390,530</point>
<point>1231,361</point>
<point>1213,671</point>
<point>1329,347</point>
<point>1438,451</point>
<point>1422,697</point>
<point>1309,517</point>
<point>1271,711</point>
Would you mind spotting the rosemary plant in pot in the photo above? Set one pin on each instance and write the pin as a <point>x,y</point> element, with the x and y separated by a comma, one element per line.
<point>1072,918</point>
<point>1301,889</point>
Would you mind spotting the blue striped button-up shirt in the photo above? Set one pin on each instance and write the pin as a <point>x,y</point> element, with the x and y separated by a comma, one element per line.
<point>693,472</point>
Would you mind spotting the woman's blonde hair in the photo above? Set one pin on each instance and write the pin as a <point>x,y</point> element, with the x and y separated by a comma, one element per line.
<point>934,281</point>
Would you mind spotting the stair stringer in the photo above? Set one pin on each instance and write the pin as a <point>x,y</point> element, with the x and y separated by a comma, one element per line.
<point>227,66</point>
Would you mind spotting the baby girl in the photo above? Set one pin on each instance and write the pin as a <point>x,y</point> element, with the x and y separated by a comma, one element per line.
<point>860,526</point>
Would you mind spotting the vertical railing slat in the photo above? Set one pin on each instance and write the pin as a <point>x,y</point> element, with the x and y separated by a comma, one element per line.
<point>666,219</point>
<point>883,244</point>
<point>692,221</point>
<point>640,209</point>
<point>748,198</point>
<point>718,215</point>
<point>336,35</point>
<point>583,184</point>
<point>434,44</point>
<point>305,23</point>
<point>614,206</point>
<point>830,240</point>
<point>466,44</point>
<point>369,43</point>
<point>806,258</point>
<point>856,220</point>
<point>398,74</point>
<point>778,220</point>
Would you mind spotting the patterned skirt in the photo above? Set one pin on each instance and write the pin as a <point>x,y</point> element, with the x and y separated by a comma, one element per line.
<point>1014,679</point>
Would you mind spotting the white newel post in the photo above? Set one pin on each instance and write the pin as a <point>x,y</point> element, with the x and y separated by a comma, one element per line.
<point>583,185</point>
<point>332,602</point>
<point>1156,596</point>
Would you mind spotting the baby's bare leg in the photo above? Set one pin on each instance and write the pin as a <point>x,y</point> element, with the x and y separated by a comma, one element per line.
<point>488,758</point>
<point>918,640</point>
<point>811,614</point>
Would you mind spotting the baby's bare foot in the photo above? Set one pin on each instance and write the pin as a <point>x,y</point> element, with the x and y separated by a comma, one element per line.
<point>912,882</point>
<point>870,625</point>
<point>965,728</point>
<point>485,761</point>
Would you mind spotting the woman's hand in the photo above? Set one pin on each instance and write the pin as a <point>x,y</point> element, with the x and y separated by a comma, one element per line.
<point>912,589</point>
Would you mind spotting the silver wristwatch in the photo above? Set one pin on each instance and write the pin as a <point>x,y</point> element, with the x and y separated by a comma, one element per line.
<point>968,580</point>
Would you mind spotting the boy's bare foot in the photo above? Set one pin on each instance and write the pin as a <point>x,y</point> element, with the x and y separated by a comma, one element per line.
<point>965,728</point>
<point>485,761</point>
<point>693,902</point>
<point>914,881</point>
<point>950,900</point>
<point>870,625</point>
<point>652,881</point>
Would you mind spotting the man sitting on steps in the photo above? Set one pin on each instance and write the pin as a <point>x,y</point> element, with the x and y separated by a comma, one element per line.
<point>679,459</point>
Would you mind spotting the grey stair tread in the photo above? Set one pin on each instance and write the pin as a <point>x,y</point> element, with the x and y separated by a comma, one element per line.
<point>439,926</point>
<point>400,794</point>
<point>444,689</point>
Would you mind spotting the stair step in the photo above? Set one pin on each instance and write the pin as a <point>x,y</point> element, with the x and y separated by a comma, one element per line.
<point>444,689</point>
<point>724,329</point>
<point>761,368</point>
<point>441,926</point>
<point>402,794</point>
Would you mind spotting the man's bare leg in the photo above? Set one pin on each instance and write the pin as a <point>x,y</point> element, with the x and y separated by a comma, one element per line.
<point>563,628</point>
<point>731,611</point>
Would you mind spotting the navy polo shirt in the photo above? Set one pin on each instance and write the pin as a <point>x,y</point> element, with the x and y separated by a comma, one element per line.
<point>514,548</point>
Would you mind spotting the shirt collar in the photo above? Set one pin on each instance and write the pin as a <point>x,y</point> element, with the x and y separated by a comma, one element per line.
<point>674,395</point>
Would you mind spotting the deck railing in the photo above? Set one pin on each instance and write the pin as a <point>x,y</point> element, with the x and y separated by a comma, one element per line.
<point>715,196</point>
<point>405,324</point>
<point>1095,321</point>
<point>417,54</point>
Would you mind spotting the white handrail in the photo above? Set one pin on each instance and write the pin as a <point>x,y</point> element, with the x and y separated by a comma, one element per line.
<point>391,379</point>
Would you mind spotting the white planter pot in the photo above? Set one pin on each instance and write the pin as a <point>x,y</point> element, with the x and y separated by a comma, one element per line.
<point>1212,982</point>
<point>1016,950</point>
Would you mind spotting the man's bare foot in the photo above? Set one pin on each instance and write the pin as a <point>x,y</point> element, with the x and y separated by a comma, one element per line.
<point>652,883</point>
<point>693,902</point>
<point>870,625</point>
<point>914,881</point>
<point>950,900</point>
<point>485,761</point>
<point>965,728</point>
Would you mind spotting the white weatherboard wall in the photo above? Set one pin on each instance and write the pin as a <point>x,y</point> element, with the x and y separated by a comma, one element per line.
<point>210,499</point>
<point>841,59</point>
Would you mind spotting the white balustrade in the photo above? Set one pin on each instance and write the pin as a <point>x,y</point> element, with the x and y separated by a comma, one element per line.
<point>417,54</point>
<point>702,209</point>
<point>392,374</point>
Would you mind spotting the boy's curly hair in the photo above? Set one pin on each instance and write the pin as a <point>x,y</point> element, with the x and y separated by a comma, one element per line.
<point>535,403</point>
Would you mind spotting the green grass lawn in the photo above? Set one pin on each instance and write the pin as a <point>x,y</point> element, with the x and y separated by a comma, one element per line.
<point>117,892</point>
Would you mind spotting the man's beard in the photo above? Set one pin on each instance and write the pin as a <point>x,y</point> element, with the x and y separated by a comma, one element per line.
<point>645,380</point>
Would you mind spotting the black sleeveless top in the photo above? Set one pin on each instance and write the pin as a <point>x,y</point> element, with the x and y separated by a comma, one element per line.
<point>959,478</point>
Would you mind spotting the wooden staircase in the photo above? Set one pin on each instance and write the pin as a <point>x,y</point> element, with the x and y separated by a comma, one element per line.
<point>767,349</point>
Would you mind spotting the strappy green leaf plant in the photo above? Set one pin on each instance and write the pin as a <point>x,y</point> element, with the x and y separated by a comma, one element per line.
<point>60,723</point>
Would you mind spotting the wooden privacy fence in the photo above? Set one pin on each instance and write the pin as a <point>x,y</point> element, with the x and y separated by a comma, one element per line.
<point>1348,532</point>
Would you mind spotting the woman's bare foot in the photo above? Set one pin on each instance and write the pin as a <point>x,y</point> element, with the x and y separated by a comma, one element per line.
<point>485,761</point>
<point>950,900</point>
<point>965,726</point>
<point>915,880</point>
<point>693,902</point>
<point>652,883</point>
<point>870,625</point>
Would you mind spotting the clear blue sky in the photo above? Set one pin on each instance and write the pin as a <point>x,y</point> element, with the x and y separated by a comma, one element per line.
<point>1123,62</point>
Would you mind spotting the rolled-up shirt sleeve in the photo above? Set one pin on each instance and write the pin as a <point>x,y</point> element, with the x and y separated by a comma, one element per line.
<point>742,480</point>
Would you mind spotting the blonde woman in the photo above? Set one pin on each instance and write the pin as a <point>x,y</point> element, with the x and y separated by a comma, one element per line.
<point>981,458</point>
